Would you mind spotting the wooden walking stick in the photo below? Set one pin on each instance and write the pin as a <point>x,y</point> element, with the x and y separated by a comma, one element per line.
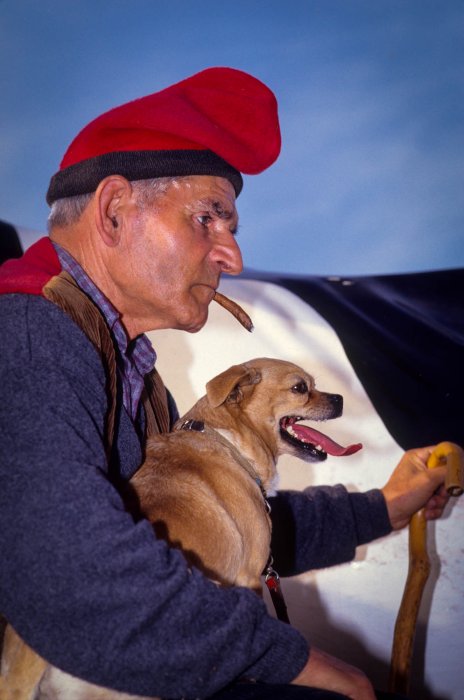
<point>451,455</point>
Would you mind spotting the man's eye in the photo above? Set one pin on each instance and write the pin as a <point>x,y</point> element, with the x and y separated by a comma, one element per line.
<point>204,219</point>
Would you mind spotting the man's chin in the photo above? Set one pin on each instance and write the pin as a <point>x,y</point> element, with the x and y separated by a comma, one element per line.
<point>193,325</point>
<point>194,310</point>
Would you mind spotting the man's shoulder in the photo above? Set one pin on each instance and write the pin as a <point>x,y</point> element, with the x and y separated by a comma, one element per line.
<point>34,328</point>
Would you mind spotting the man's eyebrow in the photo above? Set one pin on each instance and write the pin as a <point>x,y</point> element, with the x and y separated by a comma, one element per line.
<point>218,208</point>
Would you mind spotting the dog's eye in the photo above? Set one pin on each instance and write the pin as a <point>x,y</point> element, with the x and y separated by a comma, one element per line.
<point>300,388</point>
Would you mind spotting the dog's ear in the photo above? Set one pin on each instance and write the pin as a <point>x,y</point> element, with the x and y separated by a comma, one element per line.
<point>228,385</point>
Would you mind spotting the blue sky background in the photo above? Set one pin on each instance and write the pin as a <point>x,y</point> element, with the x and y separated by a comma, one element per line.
<point>371,175</point>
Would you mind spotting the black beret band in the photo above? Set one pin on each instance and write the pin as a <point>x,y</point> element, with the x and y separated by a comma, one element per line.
<point>85,176</point>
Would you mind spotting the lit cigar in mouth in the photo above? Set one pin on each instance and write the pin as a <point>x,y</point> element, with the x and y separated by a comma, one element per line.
<point>236,310</point>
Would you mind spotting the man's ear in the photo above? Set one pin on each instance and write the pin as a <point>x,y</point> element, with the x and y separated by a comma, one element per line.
<point>111,197</point>
<point>228,386</point>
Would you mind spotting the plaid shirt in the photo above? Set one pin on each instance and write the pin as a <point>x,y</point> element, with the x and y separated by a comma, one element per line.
<point>135,358</point>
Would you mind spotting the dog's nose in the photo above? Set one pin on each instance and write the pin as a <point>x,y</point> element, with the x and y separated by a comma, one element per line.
<point>336,401</point>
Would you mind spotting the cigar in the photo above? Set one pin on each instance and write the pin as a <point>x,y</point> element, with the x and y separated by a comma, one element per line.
<point>236,310</point>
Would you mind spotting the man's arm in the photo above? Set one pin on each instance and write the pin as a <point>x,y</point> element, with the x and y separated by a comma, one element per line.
<point>323,525</point>
<point>80,581</point>
<point>411,486</point>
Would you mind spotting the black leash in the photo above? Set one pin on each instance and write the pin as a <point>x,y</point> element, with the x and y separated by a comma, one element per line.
<point>272,580</point>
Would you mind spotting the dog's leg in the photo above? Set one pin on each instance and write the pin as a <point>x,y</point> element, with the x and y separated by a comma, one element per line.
<point>21,669</point>
<point>57,685</point>
<point>26,676</point>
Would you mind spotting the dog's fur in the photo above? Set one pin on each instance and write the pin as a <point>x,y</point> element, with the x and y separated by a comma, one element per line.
<point>200,491</point>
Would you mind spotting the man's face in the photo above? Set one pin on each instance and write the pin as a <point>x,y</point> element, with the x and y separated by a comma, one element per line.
<point>176,250</point>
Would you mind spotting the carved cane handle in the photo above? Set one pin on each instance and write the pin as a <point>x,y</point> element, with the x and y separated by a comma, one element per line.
<point>451,455</point>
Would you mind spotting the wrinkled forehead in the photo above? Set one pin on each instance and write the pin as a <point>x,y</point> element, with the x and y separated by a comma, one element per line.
<point>214,194</point>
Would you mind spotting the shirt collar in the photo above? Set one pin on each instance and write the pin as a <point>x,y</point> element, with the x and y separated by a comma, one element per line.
<point>140,351</point>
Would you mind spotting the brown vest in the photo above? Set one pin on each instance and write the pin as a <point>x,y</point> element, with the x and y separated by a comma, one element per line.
<point>63,291</point>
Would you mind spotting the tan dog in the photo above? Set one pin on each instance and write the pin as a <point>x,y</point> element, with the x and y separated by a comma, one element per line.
<point>203,486</point>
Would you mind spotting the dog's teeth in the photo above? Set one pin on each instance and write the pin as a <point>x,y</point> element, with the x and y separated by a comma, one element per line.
<point>290,430</point>
<point>319,447</point>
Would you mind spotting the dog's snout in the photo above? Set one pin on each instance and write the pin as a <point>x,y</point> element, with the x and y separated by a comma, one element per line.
<point>336,401</point>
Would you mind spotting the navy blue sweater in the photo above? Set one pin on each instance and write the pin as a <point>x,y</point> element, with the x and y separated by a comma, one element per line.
<point>93,591</point>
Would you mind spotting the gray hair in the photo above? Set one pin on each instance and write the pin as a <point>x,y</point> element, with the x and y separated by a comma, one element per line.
<point>68,210</point>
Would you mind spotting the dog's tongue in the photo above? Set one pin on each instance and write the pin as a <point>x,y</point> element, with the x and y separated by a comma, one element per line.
<point>306,434</point>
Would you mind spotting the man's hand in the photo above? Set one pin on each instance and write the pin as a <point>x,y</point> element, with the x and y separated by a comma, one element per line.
<point>413,486</point>
<point>329,673</point>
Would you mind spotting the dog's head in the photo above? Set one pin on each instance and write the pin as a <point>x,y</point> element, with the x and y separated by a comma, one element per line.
<point>272,398</point>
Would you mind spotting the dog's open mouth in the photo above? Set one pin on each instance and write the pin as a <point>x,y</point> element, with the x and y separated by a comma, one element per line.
<point>312,441</point>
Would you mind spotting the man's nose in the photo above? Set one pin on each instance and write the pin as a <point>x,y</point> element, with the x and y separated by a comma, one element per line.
<point>228,256</point>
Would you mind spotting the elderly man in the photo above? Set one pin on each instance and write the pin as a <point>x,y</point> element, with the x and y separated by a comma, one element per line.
<point>142,226</point>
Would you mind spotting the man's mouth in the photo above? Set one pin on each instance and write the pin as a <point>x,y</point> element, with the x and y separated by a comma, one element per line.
<point>207,291</point>
<point>313,441</point>
<point>210,287</point>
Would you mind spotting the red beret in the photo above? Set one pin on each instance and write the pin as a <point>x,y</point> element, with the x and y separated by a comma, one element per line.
<point>220,121</point>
